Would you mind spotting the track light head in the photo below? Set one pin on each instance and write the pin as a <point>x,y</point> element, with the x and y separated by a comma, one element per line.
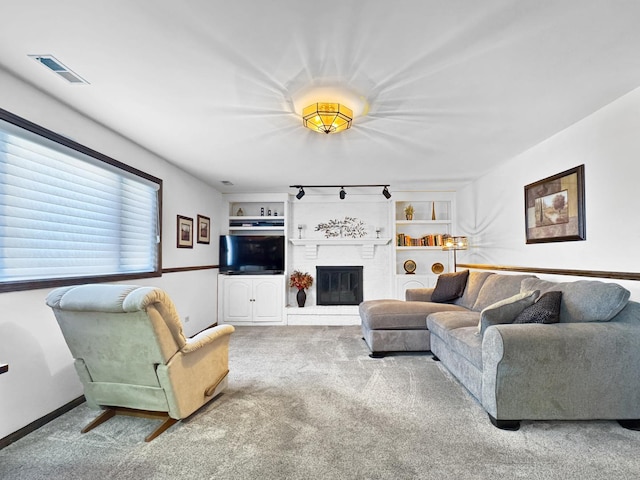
<point>300,193</point>
<point>386,193</point>
<point>342,193</point>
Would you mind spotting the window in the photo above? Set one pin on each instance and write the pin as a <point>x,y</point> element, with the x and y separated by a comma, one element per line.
<point>69,214</point>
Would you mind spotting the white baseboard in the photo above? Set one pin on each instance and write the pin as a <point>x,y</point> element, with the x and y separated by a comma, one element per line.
<point>323,315</point>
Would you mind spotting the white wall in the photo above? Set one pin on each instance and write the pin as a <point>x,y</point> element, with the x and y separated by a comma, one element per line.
<point>491,209</point>
<point>41,376</point>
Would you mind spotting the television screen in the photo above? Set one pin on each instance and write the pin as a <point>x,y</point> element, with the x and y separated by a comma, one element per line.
<point>251,254</point>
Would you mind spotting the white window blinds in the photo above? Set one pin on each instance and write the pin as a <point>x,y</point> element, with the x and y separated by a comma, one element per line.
<point>65,214</point>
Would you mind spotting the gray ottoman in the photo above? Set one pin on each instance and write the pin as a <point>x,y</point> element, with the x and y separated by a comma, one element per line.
<point>397,325</point>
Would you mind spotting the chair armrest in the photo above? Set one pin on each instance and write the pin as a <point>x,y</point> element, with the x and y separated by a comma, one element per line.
<point>207,337</point>
<point>562,371</point>
<point>418,294</point>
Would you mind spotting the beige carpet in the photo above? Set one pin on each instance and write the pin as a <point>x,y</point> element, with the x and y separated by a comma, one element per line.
<point>308,403</point>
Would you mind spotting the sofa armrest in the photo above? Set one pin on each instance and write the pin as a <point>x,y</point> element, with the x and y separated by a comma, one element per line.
<point>197,372</point>
<point>418,294</point>
<point>562,371</point>
<point>206,337</point>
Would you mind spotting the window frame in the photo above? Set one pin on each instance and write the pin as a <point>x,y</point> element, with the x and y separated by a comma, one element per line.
<point>64,281</point>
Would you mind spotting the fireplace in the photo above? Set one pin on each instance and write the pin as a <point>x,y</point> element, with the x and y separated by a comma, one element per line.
<point>341,285</point>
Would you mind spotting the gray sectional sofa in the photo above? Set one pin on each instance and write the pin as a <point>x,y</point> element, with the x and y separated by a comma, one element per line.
<point>580,362</point>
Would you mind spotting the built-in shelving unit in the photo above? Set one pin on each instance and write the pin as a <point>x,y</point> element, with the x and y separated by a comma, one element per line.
<point>419,238</point>
<point>249,299</point>
<point>251,215</point>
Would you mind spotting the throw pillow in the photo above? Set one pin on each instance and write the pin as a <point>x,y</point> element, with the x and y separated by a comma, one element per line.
<point>505,311</point>
<point>545,310</point>
<point>450,286</point>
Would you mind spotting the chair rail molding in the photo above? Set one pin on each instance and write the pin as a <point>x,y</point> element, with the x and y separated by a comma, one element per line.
<point>555,271</point>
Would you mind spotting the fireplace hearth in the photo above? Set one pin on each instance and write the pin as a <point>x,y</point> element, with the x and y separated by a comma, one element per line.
<point>339,285</point>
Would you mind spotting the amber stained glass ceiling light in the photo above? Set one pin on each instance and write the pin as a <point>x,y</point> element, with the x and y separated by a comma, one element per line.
<point>327,117</point>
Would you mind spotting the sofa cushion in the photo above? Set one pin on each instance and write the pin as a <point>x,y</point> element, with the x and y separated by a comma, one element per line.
<point>584,300</point>
<point>459,332</point>
<point>507,310</point>
<point>474,284</point>
<point>450,286</point>
<point>545,310</point>
<point>399,315</point>
<point>498,287</point>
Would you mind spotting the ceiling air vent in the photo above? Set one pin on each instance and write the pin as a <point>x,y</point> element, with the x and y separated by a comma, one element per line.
<point>57,67</point>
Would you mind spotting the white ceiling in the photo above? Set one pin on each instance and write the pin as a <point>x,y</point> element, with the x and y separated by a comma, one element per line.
<point>450,88</point>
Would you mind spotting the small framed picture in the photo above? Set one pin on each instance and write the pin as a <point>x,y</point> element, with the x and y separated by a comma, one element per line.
<point>204,229</point>
<point>554,208</point>
<point>185,232</point>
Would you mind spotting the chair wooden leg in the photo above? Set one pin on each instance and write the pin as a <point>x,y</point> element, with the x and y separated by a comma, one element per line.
<point>165,425</point>
<point>100,419</point>
<point>111,412</point>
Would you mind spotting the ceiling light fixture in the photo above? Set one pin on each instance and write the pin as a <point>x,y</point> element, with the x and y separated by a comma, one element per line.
<point>343,193</point>
<point>327,117</point>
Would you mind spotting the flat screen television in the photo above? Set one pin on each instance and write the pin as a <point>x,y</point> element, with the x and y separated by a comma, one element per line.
<point>251,254</point>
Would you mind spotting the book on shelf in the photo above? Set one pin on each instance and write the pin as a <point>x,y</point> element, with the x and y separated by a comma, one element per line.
<point>430,240</point>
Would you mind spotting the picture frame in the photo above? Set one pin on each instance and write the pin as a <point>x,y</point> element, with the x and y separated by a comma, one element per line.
<point>185,232</point>
<point>555,208</point>
<point>204,229</point>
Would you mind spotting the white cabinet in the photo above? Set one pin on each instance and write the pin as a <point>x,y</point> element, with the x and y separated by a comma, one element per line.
<point>251,299</point>
<point>418,254</point>
<point>404,282</point>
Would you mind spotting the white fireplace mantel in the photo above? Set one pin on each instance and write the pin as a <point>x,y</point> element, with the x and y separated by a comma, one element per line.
<point>312,244</point>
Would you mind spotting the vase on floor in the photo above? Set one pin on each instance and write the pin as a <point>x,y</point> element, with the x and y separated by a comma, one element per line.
<point>301,297</point>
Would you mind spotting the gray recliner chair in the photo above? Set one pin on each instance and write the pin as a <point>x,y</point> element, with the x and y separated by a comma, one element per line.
<point>132,356</point>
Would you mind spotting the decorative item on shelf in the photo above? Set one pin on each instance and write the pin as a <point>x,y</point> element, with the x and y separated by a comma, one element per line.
<point>240,212</point>
<point>408,212</point>
<point>378,230</point>
<point>455,243</point>
<point>300,227</point>
<point>301,281</point>
<point>262,211</point>
<point>433,210</point>
<point>349,227</point>
<point>437,268</point>
<point>410,267</point>
<point>269,212</point>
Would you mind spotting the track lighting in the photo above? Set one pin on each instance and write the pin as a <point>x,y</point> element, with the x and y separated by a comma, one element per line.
<point>343,193</point>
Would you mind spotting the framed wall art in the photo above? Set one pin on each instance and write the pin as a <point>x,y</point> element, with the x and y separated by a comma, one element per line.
<point>185,232</point>
<point>204,229</point>
<point>554,208</point>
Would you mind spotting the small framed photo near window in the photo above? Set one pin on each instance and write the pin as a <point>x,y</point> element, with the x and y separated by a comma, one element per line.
<point>185,232</point>
<point>204,229</point>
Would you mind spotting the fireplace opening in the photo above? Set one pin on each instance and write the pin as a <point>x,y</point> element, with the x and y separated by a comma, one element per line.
<point>339,285</point>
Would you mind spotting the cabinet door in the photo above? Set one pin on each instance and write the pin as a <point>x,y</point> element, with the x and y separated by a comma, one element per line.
<point>404,282</point>
<point>238,298</point>
<point>267,294</point>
